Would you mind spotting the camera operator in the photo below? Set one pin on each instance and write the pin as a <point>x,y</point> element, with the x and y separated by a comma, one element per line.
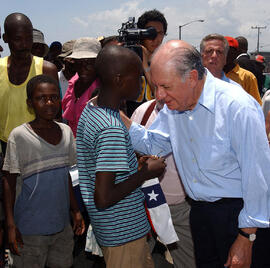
<point>151,18</point>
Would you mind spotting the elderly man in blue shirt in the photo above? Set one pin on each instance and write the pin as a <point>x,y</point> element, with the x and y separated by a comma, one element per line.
<point>217,135</point>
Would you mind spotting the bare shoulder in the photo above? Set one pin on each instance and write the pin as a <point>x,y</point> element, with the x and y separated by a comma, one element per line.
<point>50,69</point>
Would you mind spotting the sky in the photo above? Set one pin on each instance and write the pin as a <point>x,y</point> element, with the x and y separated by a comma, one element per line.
<point>63,20</point>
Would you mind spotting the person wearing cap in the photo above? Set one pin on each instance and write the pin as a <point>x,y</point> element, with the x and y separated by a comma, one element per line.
<point>241,76</point>
<point>39,48</point>
<point>52,56</point>
<point>68,70</point>
<point>81,86</point>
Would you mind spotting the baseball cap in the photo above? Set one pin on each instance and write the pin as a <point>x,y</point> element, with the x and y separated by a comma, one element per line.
<point>67,48</point>
<point>260,58</point>
<point>85,47</point>
<point>232,41</point>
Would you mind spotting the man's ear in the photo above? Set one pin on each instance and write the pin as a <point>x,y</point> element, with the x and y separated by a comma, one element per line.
<point>118,80</point>
<point>5,38</point>
<point>193,77</point>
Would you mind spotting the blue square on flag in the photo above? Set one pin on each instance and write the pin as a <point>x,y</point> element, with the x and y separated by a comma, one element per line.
<point>154,196</point>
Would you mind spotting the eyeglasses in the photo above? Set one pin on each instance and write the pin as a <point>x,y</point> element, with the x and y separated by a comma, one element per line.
<point>218,52</point>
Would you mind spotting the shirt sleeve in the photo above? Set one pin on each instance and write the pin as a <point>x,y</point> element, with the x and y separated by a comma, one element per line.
<point>155,141</point>
<point>252,88</point>
<point>12,162</point>
<point>72,150</point>
<point>111,151</point>
<point>250,143</point>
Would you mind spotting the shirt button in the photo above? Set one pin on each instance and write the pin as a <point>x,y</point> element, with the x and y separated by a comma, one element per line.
<point>191,140</point>
<point>190,117</point>
<point>193,160</point>
<point>194,180</point>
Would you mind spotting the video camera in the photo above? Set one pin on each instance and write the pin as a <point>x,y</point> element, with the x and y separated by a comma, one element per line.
<point>131,36</point>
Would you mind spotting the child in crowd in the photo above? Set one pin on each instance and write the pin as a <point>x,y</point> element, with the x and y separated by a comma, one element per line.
<point>82,85</point>
<point>36,166</point>
<point>108,169</point>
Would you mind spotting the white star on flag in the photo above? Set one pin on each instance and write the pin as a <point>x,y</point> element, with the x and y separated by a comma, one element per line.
<point>153,196</point>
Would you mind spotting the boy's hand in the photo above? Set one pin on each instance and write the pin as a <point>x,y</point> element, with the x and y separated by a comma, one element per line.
<point>154,166</point>
<point>78,223</point>
<point>14,240</point>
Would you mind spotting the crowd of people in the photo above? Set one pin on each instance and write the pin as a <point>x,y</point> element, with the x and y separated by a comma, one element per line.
<point>93,111</point>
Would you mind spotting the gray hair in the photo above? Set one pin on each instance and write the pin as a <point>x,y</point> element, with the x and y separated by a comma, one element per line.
<point>215,36</point>
<point>186,59</point>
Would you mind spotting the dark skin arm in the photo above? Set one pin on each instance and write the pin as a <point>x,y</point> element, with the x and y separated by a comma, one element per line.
<point>78,222</point>
<point>107,193</point>
<point>14,235</point>
<point>50,69</point>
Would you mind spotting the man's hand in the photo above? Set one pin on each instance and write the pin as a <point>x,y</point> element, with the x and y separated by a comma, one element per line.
<point>146,57</point>
<point>78,223</point>
<point>240,253</point>
<point>153,166</point>
<point>14,240</point>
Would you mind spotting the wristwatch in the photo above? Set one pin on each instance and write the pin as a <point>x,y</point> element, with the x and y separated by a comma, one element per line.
<point>250,237</point>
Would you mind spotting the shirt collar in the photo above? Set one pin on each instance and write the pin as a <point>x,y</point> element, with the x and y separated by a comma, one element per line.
<point>207,98</point>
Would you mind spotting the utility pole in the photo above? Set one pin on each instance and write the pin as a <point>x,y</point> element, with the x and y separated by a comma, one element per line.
<point>258,38</point>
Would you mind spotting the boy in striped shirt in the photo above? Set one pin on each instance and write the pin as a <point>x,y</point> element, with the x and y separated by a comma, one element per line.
<point>108,169</point>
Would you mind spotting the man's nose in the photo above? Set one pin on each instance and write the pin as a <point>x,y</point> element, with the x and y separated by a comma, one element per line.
<point>160,94</point>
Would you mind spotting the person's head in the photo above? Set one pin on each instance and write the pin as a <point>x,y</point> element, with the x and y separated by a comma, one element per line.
<point>18,35</point>
<point>156,19</point>
<point>43,97</point>
<point>39,48</point>
<point>232,53</point>
<point>109,40</point>
<point>177,74</point>
<point>214,49</point>
<point>119,70</point>
<point>260,62</point>
<point>85,51</point>
<point>242,44</point>
<point>68,63</point>
<point>55,49</point>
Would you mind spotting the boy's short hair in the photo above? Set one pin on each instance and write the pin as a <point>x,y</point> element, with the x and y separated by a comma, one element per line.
<point>152,15</point>
<point>36,80</point>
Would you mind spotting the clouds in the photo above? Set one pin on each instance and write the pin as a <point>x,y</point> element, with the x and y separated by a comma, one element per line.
<point>227,17</point>
<point>67,20</point>
<point>108,21</point>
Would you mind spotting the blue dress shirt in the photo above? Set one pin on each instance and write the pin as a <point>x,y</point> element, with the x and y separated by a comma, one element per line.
<point>220,148</point>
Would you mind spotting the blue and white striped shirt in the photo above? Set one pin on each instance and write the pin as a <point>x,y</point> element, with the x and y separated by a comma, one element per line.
<point>103,144</point>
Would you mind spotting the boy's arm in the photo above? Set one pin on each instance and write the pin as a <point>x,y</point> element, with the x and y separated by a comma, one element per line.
<point>107,193</point>
<point>78,222</point>
<point>14,236</point>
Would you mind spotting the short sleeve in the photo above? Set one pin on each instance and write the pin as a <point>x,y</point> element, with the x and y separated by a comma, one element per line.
<point>111,150</point>
<point>12,162</point>
<point>72,150</point>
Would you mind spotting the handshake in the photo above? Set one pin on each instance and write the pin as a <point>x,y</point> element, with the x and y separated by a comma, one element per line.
<point>152,166</point>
